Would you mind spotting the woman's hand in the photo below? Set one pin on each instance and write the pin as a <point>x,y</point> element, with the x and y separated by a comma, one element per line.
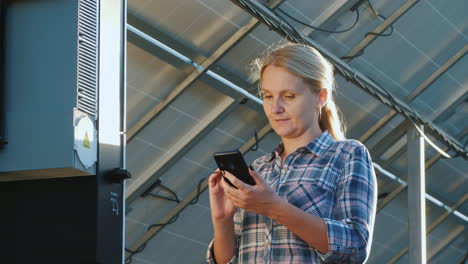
<point>222,208</point>
<point>259,198</point>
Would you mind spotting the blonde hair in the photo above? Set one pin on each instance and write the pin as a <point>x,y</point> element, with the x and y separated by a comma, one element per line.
<point>307,63</point>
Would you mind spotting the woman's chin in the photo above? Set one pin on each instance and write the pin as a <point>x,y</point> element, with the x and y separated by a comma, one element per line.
<point>284,133</point>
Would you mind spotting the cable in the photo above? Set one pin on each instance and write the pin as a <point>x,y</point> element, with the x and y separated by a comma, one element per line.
<point>321,29</point>
<point>382,195</point>
<point>255,147</point>
<point>276,22</point>
<point>171,221</point>
<point>128,260</point>
<point>170,191</point>
<point>382,17</point>
<point>159,184</point>
<point>354,56</point>
<point>195,200</point>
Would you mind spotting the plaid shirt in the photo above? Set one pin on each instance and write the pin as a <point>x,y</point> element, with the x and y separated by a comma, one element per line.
<point>331,179</point>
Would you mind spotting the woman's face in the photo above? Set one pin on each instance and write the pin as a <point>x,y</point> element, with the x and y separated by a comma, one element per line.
<point>289,104</point>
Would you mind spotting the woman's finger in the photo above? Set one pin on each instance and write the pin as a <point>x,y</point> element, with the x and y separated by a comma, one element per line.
<point>258,180</point>
<point>236,182</point>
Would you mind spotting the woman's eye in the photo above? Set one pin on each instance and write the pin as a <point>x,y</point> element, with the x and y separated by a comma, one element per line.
<point>267,96</point>
<point>289,96</point>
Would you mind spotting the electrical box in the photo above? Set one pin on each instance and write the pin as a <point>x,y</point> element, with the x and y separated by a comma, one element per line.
<point>62,171</point>
<point>51,89</point>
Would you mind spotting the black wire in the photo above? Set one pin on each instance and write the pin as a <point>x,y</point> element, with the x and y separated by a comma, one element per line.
<point>170,191</point>
<point>361,52</point>
<point>164,197</point>
<point>381,34</point>
<point>379,15</point>
<point>354,56</point>
<point>301,40</point>
<point>382,195</point>
<point>158,183</point>
<point>171,221</point>
<point>129,259</point>
<point>321,29</point>
<point>255,147</point>
<point>195,200</point>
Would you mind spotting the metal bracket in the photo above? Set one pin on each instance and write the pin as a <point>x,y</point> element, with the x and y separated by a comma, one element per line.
<point>118,175</point>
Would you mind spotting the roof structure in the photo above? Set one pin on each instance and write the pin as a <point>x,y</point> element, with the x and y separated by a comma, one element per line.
<point>191,92</point>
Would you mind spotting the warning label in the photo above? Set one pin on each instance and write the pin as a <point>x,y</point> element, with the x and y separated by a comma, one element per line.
<point>86,141</point>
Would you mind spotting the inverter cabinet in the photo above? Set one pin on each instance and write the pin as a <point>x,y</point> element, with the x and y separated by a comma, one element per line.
<point>64,100</point>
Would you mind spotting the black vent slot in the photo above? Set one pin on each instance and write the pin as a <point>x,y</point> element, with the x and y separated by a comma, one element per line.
<point>87,56</point>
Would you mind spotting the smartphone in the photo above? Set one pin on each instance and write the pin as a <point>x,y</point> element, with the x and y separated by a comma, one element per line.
<point>233,162</point>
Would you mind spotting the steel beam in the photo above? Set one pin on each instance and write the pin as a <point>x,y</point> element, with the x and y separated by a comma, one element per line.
<point>389,140</point>
<point>381,204</point>
<point>193,76</point>
<point>360,80</point>
<point>429,162</point>
<point>452,236</point>
<point>416,197</point>
<point>439,72</point>
<point>451,108</point>
<point>178,50</point>
<point>462,259</point>
<point>192,195</point>
<point>437,156</point>
<point>430,228</point>
<point>398,131</point>
<point>146,179</point>
<point>408,99</point>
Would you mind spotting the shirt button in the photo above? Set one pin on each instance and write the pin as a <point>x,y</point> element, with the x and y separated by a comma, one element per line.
<point>267,244</point>
<point>354,250</point>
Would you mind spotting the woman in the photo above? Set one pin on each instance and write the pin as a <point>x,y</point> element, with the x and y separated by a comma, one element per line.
<point>315,195</point>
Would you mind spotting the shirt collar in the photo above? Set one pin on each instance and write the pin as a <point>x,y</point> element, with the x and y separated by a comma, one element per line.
<point>318,146</point>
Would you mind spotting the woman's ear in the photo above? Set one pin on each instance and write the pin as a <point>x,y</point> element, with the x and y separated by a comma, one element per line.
<point>323,96</point>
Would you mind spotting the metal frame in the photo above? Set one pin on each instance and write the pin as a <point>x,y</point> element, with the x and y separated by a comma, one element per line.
<point>452,236</point>
<point>428,163</point>
<point>380,29</point>
<point>430,228</point>
<point>150,176</point>
<point>204,69</point>
<point>111,200</point>
<point>398,131</point>
<point>416,196</point>
<point>423,86</point>
<point>360,80</point>
<point>192,195</point>
<point>3,7</point>
<point>195,74</point>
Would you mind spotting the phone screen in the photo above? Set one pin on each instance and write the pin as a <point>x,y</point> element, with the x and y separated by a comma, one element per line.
<point>233,162</point>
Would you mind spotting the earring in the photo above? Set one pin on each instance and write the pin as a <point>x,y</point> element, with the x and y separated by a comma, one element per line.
<point>319,114</point>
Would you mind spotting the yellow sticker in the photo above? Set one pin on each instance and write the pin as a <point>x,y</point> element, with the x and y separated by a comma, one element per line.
<point>86,141</point>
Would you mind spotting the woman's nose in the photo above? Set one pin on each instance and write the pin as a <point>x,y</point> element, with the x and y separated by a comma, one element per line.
<point>277,106</point>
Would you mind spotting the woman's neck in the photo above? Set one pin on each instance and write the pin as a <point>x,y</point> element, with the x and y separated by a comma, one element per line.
<point>291,144</point>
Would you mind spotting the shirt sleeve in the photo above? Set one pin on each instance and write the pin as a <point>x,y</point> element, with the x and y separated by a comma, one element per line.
<point>350,229</point>
<point>237,231</point>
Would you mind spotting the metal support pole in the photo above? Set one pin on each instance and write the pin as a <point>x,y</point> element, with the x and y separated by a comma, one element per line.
<point>416,196</point>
